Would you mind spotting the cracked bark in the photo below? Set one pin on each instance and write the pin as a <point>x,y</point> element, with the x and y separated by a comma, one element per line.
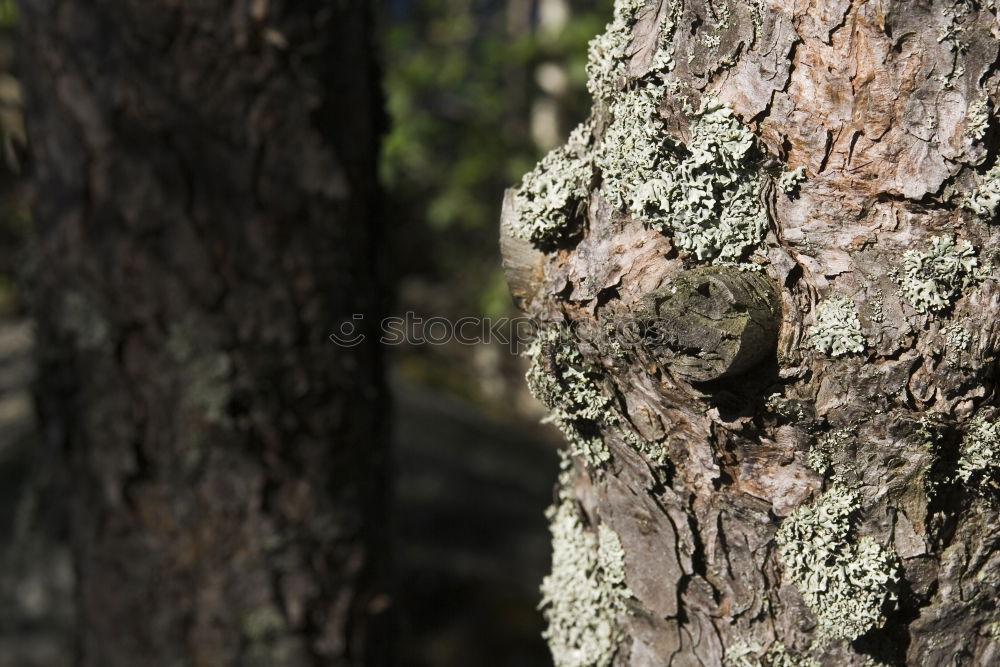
<point>204,177</point>
<point>874,100</point>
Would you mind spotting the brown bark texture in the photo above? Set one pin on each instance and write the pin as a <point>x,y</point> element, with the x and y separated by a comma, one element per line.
<point>204,183</point>
<point>832,498</point>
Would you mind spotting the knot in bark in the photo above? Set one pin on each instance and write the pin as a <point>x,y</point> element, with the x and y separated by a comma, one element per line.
<point>712,322</point>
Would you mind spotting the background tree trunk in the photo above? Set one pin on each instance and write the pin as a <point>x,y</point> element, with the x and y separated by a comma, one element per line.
<point>204,177</point>
<point>822,489</point>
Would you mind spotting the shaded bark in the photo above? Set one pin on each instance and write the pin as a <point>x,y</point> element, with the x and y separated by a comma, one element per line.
<point>204,206</point>
<point>867,432</point>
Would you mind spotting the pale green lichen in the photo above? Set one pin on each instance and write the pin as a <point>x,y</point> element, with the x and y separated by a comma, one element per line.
<point>933,279</point>
<point>789,181</point>
<point>957,338</point>
<point>977,119</point>
<point>551,193</point>
<point>872,662</point>
<point>748,654</point>
<point>559,377</point>
<point>663,60</point>
<point>585,592</point>
<point>876,306</point>
<point>607,53</point>
<point>705,193</point>
<point>979,457</point>
<point>824,450</point>
<point>778,655</point>
<point>985,198</point>
<point>743,654</point>
<point>633,148</point>
<point>847,583</point>
<point>837,330</point>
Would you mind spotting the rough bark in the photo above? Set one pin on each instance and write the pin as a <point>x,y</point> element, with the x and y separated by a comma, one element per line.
<point>204,187</point>
<point>836,503</point>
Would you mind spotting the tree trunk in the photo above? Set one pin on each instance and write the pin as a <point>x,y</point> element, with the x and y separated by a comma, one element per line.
<point>763,272</point>
<point>204,180</point>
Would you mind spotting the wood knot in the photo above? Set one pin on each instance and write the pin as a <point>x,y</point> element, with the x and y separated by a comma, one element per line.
<point>712,322</point>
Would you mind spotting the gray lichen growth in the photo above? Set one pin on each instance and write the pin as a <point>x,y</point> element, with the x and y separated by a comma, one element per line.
<point>705,194</point>
<point>876,306</point>
<point>633,148</point>
<point>742,654</point>
<point>847,583</point>
<point>979,457</point>
<point>709,201</point>
<point>586,591</point>
<point>824,451</point>
<point>550,193</point>
<point>977,119</point>
<point>778,655</point>
<point>837,330</point>
<point>789,181</point>
<point>560,378</point>
<point>957,338</point>
<point>933,279</point>
<point>746,654</point>
<point>607,52</point>
<point>985,199</point>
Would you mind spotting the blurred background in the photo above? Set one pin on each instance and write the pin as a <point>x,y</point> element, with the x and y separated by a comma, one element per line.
<point>476,91</point>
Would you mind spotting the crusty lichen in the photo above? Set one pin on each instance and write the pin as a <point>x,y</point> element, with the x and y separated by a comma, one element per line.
<point>979,457</point>
<point>837,330</point>
<point>934,278</point>
<point>847,583</point>
<point>81,317</point>
<point>586,591</point>
<point>559,377</point>
<point>550,194</point>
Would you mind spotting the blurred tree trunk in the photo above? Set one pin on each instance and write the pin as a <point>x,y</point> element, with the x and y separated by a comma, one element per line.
<point>764,277</point>
<point>204,180</point>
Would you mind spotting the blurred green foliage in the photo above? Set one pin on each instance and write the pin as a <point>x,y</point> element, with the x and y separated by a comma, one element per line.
<point>8,14</point>
<point>460,85</point>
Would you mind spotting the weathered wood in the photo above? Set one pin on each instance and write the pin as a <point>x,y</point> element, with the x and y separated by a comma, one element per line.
<point>712,322</point>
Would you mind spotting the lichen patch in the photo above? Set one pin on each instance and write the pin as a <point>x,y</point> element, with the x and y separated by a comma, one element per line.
<point>934,278</point>
<point>559,377</point>
<point>837,330</point>
<point>550,194</point>
<point>586,591</point>
<point>847,583</point>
